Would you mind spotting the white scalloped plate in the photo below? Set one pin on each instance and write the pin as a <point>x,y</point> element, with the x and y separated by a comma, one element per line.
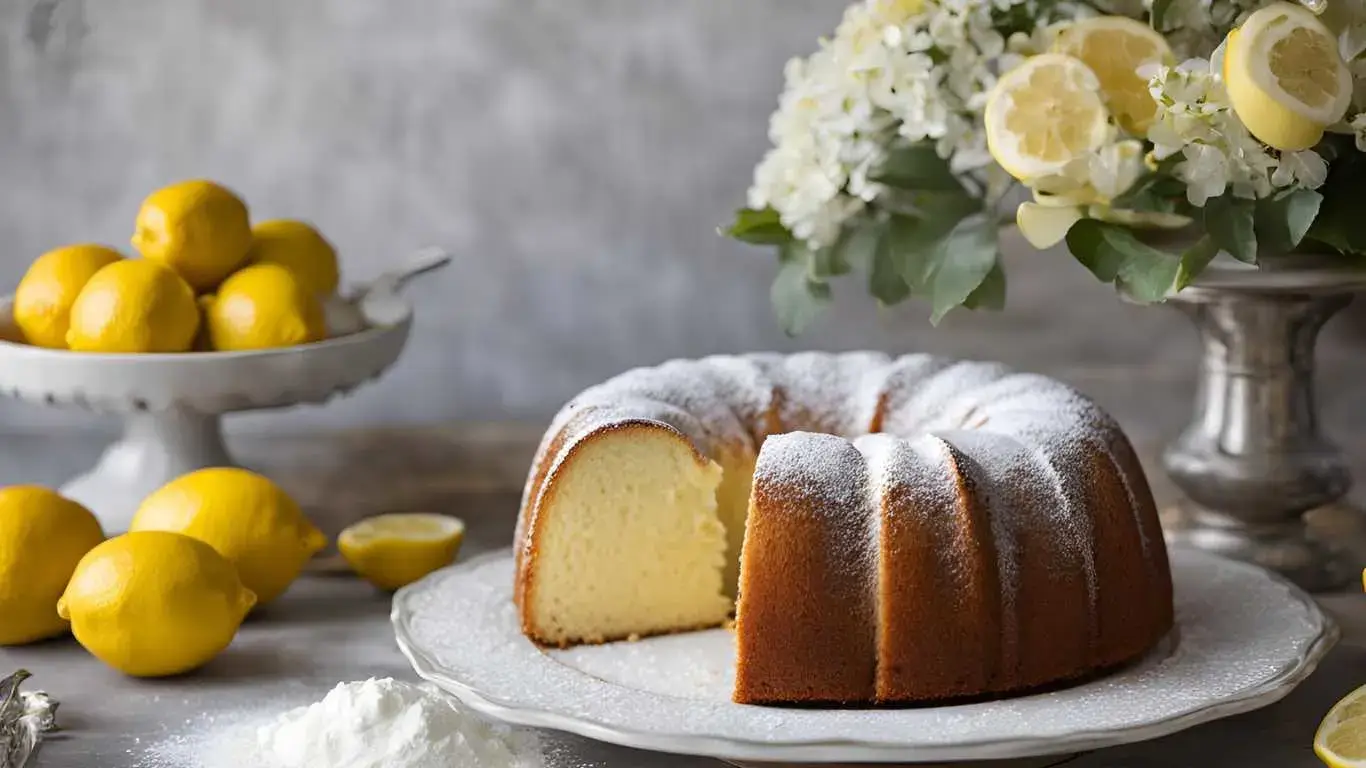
<point>1247,638</point>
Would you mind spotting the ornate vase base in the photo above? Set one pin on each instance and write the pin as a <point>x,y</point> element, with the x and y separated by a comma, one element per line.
<point>1323,553</point>
<point>1254,458</point>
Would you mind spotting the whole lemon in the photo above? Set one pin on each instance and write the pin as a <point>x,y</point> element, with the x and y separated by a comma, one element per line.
<point>263,307</point>
<point>42,538</point>
<point>134,305</point>
<point>249,519</point>
<point>152,604</point>
<point>42,303</point>
<point>300,248</point>
<point>198,228</point>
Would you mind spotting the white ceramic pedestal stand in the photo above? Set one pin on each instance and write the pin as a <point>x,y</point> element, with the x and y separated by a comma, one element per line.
<point>172,405</point>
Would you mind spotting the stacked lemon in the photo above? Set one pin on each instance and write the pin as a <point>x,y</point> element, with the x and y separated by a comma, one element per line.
<point>207,279</point>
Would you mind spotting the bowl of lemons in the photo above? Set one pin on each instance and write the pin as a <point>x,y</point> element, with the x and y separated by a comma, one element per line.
<point>213,314</point>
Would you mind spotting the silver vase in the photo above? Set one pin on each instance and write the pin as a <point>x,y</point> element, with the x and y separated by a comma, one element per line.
<point>1253,463</point>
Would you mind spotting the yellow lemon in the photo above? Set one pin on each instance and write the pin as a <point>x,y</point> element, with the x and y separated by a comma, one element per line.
<point>42,538</point>
<point>1285,77</point>
<point>1115,47</point>
<point>264,307</point>
<point>1341,739</point>
<point>198,228</point>
<point>153,604</point>
<point>246,517</point>
<point>391,551</point>
<point>1043,114</point>
<point>300,248</point>
<point>42,303</point>
<point>134,305</point>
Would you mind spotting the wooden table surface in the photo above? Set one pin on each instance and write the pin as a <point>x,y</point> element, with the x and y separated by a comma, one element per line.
<point>331,628</point>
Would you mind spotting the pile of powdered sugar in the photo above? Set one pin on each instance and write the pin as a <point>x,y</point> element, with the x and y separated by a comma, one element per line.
<point>376,723</point>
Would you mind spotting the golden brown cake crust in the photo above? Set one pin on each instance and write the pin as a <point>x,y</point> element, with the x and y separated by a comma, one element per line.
<point>806,621</point>
<point>940,629</point>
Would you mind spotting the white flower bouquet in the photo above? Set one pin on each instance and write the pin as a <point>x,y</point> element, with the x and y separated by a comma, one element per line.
<point>1233,126</point>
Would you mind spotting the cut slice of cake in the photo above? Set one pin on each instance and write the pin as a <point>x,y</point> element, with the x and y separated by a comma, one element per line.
<point>626,540</point>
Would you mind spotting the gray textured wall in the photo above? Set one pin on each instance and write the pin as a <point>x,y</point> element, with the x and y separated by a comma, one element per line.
<point>576,154</point>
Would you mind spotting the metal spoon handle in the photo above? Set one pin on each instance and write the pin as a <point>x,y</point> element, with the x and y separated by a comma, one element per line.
<point>417,263</point>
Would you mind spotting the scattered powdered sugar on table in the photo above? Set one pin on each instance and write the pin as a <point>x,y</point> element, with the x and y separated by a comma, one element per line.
<point>375,723</point>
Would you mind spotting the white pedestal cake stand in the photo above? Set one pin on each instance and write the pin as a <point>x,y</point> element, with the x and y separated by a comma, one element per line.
<point>172,404</point>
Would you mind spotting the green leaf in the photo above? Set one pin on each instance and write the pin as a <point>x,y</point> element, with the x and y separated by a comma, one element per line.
<point>1194,261</point>
<point>759,227</point>
<point>917,167</point>
<point>911,243</point>
<point>885,280</point>
<point>1114,255</point>
<point>828,262</point>
<point>991,294</point>
<point>1159,14</point>
<point>962,261</point>
<point>858,243</point>
<point>914,238</point>
<point>1157,191</point>
<point>1284,220</point>
<point>1339,223</point>
<point>797,299</point>
<point>1229,221</point>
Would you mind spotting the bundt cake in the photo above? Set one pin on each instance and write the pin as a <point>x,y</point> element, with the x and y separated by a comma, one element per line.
<point>895,530</point>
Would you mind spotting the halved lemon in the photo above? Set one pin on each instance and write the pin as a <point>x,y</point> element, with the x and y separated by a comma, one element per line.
<point>1115,47</point>
<point>1341,739</point>
<point>1285,77</point>
<point>1044,114</point>
<point>391,551</point>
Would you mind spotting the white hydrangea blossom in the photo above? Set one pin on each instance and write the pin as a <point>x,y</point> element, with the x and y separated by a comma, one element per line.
<point>1358,126</point>
<point>1099,177</point>
<point>1195,27</point>
<point>1195,120</point>
<point>920,69</point>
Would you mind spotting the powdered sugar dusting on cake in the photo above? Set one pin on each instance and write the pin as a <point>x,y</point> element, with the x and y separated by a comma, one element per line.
<point>910,411</point>
<point>683,385</point>
<point>824,472</point>
<point>749,391</point>
<point>813,466</point>
<point>822,391</point>
<point>987,469</point>
<point>877,451</point>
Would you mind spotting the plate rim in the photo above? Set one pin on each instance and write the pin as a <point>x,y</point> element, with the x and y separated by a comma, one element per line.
<point>1256,696</point>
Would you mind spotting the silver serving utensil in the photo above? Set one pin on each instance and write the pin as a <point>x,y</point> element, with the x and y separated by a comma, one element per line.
<point>24,719</point>
<point>346,312</point>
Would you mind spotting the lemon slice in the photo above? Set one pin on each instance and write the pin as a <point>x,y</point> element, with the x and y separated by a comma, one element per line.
<point>1341,739</point>
<point>1285,77</point>
<point>1114,47</point>
<point>391,551</point>
<point>1044,114</point>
